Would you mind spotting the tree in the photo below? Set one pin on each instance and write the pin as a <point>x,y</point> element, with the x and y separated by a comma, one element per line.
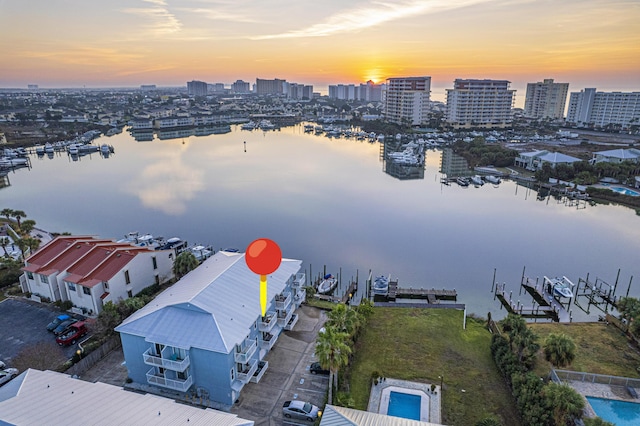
<point>596,421</point>
<point>559,349</point>
<point>18,214</point>
<point>333,354</point>
<point>8,213</point>
<point>4,242</point>
<point>344,319</point>
<point>184,263</point>
<point>27,226</point>
<point>564,402</point>
<point>629,307</point>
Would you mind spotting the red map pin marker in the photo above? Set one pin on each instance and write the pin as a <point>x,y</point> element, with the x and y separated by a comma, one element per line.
<point>263,257</point>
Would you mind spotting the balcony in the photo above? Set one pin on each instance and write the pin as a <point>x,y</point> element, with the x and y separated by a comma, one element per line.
<point>292,322</point>
<point>268,340</point>
<point>175,384</point>
<point>283,301</point>
<point>267,322</point>
<point>299,297</point>
<point>298,281</point>
<point>262,368</point>
<point>284,317</point>
<point>246,352</point>
<point>168,360</point>
<point>245,375</point>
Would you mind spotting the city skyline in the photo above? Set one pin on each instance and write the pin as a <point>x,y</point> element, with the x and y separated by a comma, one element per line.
<point>592,43</point>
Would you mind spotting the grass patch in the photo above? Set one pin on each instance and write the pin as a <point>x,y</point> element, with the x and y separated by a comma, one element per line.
<point>600,349</point>
<point>422,344</point>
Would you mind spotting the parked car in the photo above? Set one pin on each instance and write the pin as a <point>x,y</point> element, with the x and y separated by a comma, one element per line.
<point>61,328</point>
<point>7,374</point>
<point>301,410</point>
<point>72,334</point>
<point>316,368</point>
<point>56,322</point>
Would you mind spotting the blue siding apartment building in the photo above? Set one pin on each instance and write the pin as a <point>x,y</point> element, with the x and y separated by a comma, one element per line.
<point>205,335</point>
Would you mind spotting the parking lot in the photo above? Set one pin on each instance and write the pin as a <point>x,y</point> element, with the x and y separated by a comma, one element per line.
<point>288,375</point>
<point>23,324</point>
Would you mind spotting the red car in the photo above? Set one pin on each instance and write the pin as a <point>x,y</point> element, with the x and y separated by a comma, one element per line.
<point>73,333</point>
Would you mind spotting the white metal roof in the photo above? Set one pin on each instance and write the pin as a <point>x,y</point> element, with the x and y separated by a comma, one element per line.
<point>341,416</point>
<point>557,157</point>
<point>50,398</point>
<point>213,307</point>
<point>624,154</point>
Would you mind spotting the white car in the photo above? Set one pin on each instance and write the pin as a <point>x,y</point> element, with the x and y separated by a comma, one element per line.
<point>7,374</point>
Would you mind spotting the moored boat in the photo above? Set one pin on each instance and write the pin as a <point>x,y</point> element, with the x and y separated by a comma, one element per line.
<point>462,181</point>
<point>493,179</point>
<point>380,285</point>
<point>327,285</point>
<point>477,180</point>
<point>559,286</point>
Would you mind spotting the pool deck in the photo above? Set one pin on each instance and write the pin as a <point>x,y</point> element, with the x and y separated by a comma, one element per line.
<point>430,401</point>
<point>598,390</point>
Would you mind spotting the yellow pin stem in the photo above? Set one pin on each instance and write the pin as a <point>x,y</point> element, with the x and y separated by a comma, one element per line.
<point>263,294</point>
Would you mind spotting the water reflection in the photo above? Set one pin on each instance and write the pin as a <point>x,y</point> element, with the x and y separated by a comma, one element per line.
<point>453,165</point>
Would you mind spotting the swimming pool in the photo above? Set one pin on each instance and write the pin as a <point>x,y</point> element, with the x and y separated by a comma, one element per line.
<point>620,413</point>
<point>404,405</point>
<point>625,191</point>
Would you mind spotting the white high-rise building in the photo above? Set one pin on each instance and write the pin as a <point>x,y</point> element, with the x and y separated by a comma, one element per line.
<point>479,103</point>
<point>589,107</point>
<point>406,100</point>
<point>545,99</point>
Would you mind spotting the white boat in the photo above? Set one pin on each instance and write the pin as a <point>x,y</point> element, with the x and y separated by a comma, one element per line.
<point>380,285</point>
<point>327,284</point>
<point>462,181</point>
<point>13,161</point>
<point>477,180</point>
<point>492,179</point>
<point>40,149</point>
<point>559,286</point>
<point>248,126</point>
<point>266,125</point>
<point>48,148</point>
<point>201,252</point>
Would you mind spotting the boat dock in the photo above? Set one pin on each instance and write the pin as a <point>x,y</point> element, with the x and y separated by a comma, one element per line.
<point>545,304</point>
<point>344,298</point>
<point>432,295</point>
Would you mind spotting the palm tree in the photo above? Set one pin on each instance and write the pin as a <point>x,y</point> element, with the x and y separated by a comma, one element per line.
<point>184,263</point>
<point>4,242</point>
<point>27,245</point>
<point>333,354</point>
<point>27,226</point>
<point>8,213</point>
<point>344,319</point>
<point>18,214</point>
<point>559,349</point>
<point>565,403</point>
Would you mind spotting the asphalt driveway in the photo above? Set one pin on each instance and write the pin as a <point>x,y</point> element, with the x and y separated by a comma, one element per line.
<point>24,323</point>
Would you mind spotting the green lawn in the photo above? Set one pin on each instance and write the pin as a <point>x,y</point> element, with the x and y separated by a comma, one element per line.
<point>600,349</point>
<point>420,345</point>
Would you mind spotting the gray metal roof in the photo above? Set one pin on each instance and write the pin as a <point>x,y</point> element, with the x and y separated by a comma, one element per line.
<point>624,154</point>
<point>341,416</point>
<point>62,400</point>
<point>213,307</point>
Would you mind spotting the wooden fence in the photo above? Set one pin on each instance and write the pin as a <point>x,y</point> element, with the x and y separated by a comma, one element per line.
<point>96,355</point>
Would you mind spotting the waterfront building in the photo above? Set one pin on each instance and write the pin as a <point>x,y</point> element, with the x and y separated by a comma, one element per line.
<point>197,88</point>
<point>216,88</point>
<point>205,333</point>
<point>371,92</point>
<point>617,156</point>
<point>89,272</point>
<point>147,87</point>
<point>270,87</point>
<point>479,103</point>
<point>299,91</point>
<point>406,100</point>
<point>592,108</point>
<point>240,87</point>
<point>545,99</point>
<point>536,159</point>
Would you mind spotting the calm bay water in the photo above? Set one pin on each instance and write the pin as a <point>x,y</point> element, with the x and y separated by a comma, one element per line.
<point>329,202</point>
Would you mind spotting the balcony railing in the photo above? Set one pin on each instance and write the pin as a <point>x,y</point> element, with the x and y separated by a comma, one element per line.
<point>268,341</point>
<point>245,375</point>
<point>284,317</point>
<point>170,362</point>
<point>175,384</point>
<point>292,322</point>
<point>262,368</point>
<point>301,294</point>
<point>298,281</point>
<point>249,348</point>
<point>267,322</point>
<point>283,301</point>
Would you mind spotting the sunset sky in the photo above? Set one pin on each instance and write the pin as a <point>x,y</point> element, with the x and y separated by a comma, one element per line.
<point>76,43</point>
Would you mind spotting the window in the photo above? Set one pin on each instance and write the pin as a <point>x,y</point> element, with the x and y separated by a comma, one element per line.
<point>44,279</point>
<point>106,285</point>
<point>158,279</point>
<point>129,293</point>
<point>155,262</point>
<point>71,286</point>
<point>86,290</point>
<point>30,275</point>
<point>233,374</point>
<point>127,280</point>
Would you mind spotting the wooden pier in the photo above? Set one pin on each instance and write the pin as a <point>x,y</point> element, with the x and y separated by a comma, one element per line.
<point>433,296</point>
<point>544,306</point>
